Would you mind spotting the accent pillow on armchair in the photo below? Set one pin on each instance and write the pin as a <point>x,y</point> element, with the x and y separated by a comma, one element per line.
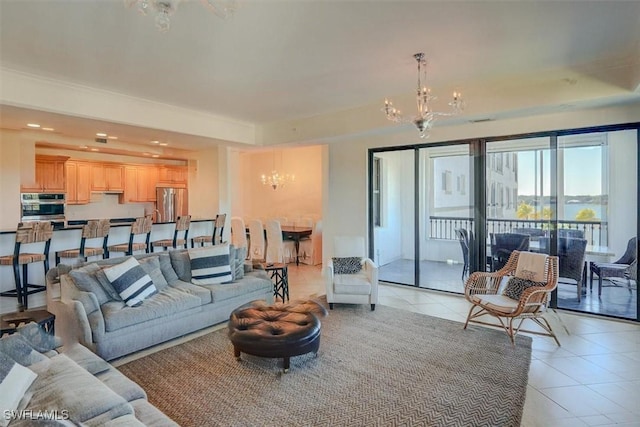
<point>347,265</point>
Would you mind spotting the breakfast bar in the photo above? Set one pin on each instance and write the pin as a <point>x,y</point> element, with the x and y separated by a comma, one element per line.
<point>68,236</point>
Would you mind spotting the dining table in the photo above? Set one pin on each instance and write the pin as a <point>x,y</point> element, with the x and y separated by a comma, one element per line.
<point>296,233</point>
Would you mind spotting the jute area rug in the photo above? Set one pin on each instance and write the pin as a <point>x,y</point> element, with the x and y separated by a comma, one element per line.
<point>388,367</point>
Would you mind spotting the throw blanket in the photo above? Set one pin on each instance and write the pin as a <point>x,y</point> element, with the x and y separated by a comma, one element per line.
<point>532,266</point>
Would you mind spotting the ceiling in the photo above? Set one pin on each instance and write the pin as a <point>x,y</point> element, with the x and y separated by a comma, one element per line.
<point>281,60</point>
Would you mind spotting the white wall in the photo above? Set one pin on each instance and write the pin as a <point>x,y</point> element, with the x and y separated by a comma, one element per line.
<point>301,198</point>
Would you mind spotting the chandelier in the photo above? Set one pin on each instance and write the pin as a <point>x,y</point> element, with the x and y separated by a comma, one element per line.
<point>425,116</point>
<point>277,180</point>
<point>164,9</point>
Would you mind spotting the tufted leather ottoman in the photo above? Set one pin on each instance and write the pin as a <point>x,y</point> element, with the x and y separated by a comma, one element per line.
<point>279,330</point>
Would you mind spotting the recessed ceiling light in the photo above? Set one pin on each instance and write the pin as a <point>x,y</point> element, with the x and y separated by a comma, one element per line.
<point>83,147</point>
<point>156,155</point>
<point>33,125</point>
<point>48,129</point>
<point>95,149</point>
<point>101,134</point>
<point>164,144</point>
<point>112,137</point>
<point>155,142</point>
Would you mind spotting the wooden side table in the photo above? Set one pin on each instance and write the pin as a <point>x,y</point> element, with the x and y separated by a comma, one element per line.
<point>279,274</point>
<point>9,322</point>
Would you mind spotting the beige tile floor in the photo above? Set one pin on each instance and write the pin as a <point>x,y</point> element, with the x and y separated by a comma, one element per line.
<point>592,380</point>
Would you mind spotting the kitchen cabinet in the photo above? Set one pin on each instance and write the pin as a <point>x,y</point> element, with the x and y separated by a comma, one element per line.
<point>107,177</point>
<point>78,182</point>
<point>140,183</point>
<point>173,176</point>
<point>50,175</point>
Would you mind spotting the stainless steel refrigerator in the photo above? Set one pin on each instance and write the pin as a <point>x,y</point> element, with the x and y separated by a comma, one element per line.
<point>171,203</point>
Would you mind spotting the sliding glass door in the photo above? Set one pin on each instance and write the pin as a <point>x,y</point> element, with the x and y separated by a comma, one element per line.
<point>394,202</point>
<point>422,212</point>
<point>441,211</point>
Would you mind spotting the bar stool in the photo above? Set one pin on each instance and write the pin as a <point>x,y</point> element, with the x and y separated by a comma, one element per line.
<point>216,236</point>
<point>93,229</point>
<point>182,225</point>
<point>141,226</point>
<point>28,233</point>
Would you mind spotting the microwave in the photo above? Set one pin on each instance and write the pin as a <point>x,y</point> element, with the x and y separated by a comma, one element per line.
<point>42,206</point>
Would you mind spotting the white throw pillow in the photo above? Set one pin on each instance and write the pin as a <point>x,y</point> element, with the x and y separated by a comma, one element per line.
<point>15,380</point>
<point>131,282</point>
<point>210,265</point>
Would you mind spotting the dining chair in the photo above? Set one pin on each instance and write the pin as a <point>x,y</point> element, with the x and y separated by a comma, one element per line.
<point>256,237</point>
<point>502,244</point>
<point>275,243</point>
<point>310,251</point>
<point>463,238</point>
<point>571,255</point>
<point>238,232</point>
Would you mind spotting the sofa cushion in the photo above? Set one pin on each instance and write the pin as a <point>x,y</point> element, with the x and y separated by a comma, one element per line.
<point>131,281</point>
<point>250,283</point>
<point>356,284</point>
<point>151,266</point>
<point>167,302</point>
<point>15,380</point>
<point>167,269</point>
<point>122,385</point>
<point>86,359</point>
<point>203,293</point>
<point>38,338</point>
<point>18,348</point>
<point>181,264</point>
<point>86,279</point>
<point>210,265</point>
<point>65,386</point>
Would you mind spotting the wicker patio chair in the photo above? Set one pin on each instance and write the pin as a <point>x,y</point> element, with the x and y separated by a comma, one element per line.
<point>482,290</point>
<point>463,238</point>
<point>614,269</point>
<point>571,255</point>
<point>503,244</point>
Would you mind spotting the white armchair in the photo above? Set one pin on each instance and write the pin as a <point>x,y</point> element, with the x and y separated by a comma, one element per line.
<point>354,288</point>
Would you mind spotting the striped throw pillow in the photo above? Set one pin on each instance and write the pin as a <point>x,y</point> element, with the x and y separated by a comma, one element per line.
<point>210,265</point>
<point>131,282</point>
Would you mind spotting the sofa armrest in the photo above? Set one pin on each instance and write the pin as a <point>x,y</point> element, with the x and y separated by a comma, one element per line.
<point>328,278</point>
<point>80,307</point>
<point>371,270</point>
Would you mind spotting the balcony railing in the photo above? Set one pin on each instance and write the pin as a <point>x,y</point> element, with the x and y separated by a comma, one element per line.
<point>444,227</point>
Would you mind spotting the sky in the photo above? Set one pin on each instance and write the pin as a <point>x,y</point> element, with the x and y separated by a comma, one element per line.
<point>582,171</point>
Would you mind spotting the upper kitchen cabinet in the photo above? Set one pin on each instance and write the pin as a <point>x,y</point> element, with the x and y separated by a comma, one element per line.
<point>139,183</point>
<point>50,175</point>
<point>107,177</point>
<point>78,179</point>
<point>173,176</point>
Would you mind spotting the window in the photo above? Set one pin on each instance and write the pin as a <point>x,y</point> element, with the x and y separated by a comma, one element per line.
<point>377,188</point>
<point>447,182</point>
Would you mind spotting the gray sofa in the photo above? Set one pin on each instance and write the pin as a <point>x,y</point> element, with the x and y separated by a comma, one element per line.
<point>102,322</point>
<point>73,386</point>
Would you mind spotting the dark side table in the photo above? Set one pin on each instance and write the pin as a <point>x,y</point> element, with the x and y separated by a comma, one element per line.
<point>280,276</point>
<point>9,322</point>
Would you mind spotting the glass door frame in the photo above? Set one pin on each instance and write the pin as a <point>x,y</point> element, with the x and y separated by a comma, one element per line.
<point>477,150</point>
